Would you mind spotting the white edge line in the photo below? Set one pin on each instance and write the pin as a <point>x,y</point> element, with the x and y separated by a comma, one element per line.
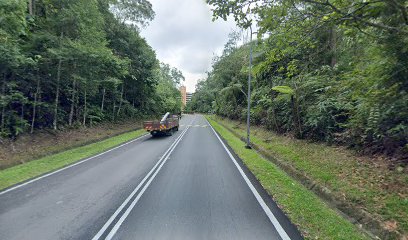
<point>69,166</point>
<point>112,218</point>
<point>258,197</point>
<point>132,205</point>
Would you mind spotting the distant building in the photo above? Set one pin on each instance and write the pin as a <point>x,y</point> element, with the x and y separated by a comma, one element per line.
<point>188,97</point>
<point>183,96</point>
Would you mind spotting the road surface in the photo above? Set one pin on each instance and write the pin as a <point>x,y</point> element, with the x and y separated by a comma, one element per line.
<point>186,186</point>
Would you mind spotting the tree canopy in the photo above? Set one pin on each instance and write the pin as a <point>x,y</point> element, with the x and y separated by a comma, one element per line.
<point>332,71</point>
<point>79,62</point>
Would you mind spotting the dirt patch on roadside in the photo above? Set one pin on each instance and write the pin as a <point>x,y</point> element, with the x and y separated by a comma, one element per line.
<point>44,142</point>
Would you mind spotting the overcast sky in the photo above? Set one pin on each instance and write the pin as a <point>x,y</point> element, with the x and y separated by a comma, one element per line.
<point>183,35</point>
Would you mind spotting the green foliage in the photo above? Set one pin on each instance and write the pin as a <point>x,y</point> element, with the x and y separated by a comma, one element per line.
<point>330,71</point>
<point>138,12</point>
<point>168,94</point>
<point>76,62</point>
<point>283,89</point>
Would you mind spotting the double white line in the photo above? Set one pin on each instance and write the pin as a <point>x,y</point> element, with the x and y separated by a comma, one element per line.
<point>149,178</point>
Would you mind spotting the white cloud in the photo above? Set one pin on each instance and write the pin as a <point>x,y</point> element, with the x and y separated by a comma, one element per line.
<point>184,36</point>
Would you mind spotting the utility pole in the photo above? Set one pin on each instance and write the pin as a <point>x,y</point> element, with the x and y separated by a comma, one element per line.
<point>248,142</point>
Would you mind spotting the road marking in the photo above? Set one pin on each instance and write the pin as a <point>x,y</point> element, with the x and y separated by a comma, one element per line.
<point>69,166</point>
<point>258,197</point>
<point>122,206</point>
<point>132,205</point>
<point>195,126</point>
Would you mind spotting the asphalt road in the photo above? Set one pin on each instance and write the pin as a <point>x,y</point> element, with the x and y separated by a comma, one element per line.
<point>185,186</point>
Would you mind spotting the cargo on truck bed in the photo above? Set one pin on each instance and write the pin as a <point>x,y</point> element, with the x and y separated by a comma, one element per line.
<point>166,126</point>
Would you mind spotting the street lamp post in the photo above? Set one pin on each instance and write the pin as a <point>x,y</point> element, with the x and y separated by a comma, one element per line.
<point>248,142</point>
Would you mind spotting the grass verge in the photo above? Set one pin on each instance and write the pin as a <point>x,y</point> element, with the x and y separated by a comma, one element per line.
<point>367,183</point>
<point>28,147</point>
<point>23,172</point>
<point>313,217</point>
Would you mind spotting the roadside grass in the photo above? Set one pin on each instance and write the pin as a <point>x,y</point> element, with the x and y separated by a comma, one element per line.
<point>312,216</point>
<point>28,147</point>
<point>365,182</point>
<point>23,172</point>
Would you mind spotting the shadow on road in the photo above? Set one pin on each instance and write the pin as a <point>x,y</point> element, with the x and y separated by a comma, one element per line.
<point>158,138</point>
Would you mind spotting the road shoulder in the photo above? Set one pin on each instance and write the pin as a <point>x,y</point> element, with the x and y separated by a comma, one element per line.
<point>312,216</point>
<point>27,172</point>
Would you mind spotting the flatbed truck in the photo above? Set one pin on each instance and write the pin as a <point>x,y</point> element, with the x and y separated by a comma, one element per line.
<point>166,126</point>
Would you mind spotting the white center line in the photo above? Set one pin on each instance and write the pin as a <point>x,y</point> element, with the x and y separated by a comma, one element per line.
<point>165,156</point>
<point>126,214</point>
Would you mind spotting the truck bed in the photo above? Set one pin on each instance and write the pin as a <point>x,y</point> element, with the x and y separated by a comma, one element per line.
<point>156,127</point>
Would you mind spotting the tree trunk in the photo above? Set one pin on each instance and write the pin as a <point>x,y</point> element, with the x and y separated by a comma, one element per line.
<point>275,123</point>
<point>113,112</point>
<point>333,46</point>
<point>37,92</point>
<point>84,119</point>
<point>22,116</point>
<point>3,109</point>
<point>58,89</point>
<point>121,99</point>
<point>71,112</point>
<point>103,98</point>
<point>292,101</point>
<point>57,95</point>
<point>30,7</point>
<point>76,107</point>
<point>296,117</point>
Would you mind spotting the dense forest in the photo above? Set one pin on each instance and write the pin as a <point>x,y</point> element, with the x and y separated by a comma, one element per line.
<point>334,71</point>
<point>78,62</point>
